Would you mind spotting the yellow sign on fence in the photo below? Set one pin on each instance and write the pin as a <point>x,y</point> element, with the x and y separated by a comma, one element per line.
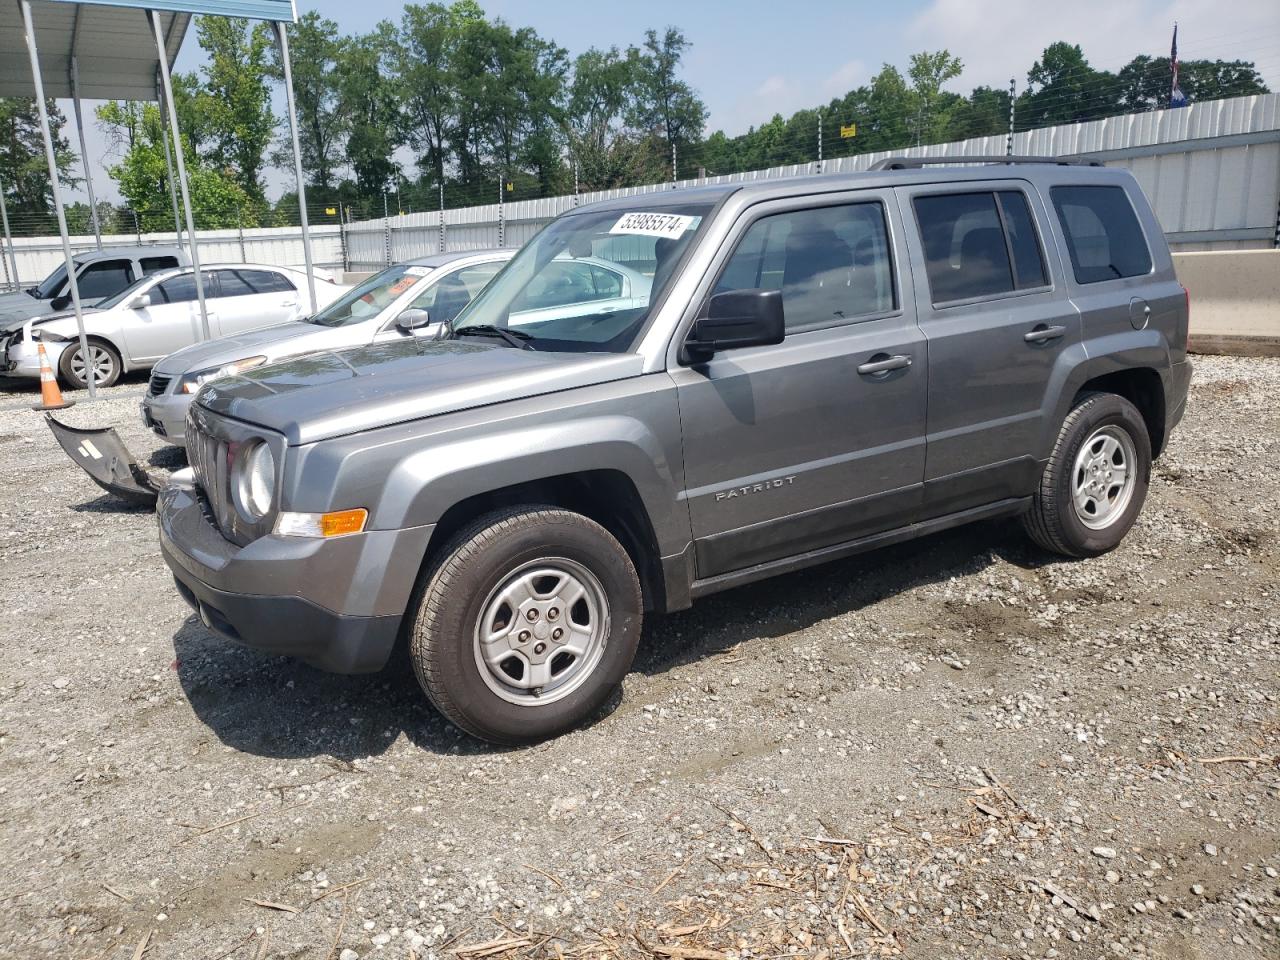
<point>331,211</point>
<point>847,131</point>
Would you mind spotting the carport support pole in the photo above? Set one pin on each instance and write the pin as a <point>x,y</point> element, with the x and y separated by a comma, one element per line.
<point>167,84</point>
<point>282,38</point>
<point>38,82</point>
<point>8,239</point>
<point>84,151</point>
<point>168,162</point>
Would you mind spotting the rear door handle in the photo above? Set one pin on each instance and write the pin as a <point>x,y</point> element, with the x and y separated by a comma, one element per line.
<point>1044,334</point>
<point>883,364</point>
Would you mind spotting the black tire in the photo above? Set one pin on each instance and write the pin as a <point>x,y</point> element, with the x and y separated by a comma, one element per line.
<point>460,589</point>
<point>110,357</point>
<point>1053,521</point>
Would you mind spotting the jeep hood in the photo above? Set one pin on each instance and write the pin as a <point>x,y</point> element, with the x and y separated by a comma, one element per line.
<point>330,394</point>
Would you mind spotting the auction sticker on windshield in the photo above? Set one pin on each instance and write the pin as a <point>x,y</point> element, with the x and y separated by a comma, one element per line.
<point>670,225</point>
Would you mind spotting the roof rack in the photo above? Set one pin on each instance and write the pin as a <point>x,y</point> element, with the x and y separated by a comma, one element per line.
<point>915,163</point>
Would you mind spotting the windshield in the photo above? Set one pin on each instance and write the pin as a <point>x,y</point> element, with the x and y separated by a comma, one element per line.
<point>51,284</point>
<point>585,283</point>
<point>371,297</point>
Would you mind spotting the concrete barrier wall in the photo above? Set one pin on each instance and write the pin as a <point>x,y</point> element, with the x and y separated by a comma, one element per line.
<point>1235,300</point>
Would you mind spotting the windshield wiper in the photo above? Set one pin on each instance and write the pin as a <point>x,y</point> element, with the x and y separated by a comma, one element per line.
<point>515,338</point>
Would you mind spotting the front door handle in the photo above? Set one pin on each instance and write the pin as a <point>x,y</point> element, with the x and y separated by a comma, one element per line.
<point>883,364</point>
<point>1043,334</point>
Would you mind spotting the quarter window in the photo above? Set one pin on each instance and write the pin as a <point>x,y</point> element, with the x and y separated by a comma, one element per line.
<point>832,264</point>
<point>1102,233</point>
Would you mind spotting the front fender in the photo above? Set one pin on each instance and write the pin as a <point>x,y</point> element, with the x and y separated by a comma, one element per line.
<point>409,475</point>
<point>1076,366</point>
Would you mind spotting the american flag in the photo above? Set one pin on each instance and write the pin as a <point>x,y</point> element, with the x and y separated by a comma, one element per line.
<point>1176,97</point>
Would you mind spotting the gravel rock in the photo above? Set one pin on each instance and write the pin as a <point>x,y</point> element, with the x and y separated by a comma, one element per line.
<point>853,793</point>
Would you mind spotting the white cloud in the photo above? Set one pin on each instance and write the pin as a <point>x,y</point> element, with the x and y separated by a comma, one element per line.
<point>999,39</point>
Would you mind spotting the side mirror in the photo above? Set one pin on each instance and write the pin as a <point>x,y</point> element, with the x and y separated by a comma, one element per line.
<point>738,318</point>
<point>60,303</point>
<point>140,302</point>
<point>412,319</point>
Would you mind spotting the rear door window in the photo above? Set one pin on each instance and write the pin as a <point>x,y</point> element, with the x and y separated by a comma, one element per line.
<point>979,245</point>
<point>832,264</point>
<point>232,284</point>
<point>104,278</point>
<point>266,281</point>
<point>182,289</point>
<point>1103,235</point>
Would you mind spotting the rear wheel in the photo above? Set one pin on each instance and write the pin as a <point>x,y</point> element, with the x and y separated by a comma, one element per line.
<point>527,624</point>
<point>1096,481</point>
<point>104,357</point>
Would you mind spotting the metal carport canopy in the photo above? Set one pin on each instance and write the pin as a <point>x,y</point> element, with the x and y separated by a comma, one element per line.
<point>123,64</point>
<point>113,45</point>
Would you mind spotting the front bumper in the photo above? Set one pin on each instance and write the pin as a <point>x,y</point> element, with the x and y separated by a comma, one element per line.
<point>166,414</point>
<point>22,358</point>
<point>336,604</point>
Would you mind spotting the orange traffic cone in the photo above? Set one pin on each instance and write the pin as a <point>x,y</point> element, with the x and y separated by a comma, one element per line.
<point>50,395</point>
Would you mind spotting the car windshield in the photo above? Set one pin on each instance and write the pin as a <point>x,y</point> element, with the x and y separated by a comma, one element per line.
<point>51,284</point>
<point>585,283</point>
<point>371,297</point>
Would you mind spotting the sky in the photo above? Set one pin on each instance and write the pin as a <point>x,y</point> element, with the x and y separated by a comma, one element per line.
<point>751,59</point>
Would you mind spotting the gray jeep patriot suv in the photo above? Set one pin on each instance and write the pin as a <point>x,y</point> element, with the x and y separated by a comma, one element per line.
<point>675,393</point>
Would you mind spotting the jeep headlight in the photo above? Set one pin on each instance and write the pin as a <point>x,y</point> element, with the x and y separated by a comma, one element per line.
<point>253,480</point>
<point>193,381</point>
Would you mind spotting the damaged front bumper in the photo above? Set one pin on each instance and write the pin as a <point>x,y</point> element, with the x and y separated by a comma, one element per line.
<point>103,456</point>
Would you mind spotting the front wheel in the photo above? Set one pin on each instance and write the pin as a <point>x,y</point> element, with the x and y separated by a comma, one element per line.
<point>105,359</point>
<point>527,624</point>
<point>1093,488</point>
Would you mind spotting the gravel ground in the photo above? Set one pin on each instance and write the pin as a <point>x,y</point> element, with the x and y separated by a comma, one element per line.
<point>954,748</point>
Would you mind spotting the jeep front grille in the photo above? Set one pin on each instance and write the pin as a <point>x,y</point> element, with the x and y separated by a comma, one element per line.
<point>208,458</point>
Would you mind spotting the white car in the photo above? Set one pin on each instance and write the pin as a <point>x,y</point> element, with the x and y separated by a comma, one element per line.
<point>160,314</point>
<point>408,299</point>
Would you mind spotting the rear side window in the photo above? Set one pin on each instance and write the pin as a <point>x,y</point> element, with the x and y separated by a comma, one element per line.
<point>266,281</point>
<point>832,264</point>
<point>979,245</point>
<point>232,284</point>
<point>104,278</point>
<point>152,265</point>
<point>182,289</point>
<point>1102,232</point>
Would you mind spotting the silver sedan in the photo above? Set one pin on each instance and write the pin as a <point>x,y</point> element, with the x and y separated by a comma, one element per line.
<point>408,299</point>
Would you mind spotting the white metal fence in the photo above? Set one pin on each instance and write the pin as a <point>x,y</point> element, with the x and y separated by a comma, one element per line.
<point>1211,171</point>
<point>281,246</point>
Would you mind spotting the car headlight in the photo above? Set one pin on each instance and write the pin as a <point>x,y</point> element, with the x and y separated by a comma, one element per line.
<point>193,381</point>
<point>253,480</point>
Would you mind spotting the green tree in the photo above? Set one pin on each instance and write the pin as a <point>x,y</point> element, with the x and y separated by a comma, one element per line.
<point>607,154</point>
<point>368,94</point>
<point>24,172</point>
<point>136,132</point>
<point>1063,88</point>
<point>663,105</point>
<point>236,99</point>
<point>1146,82</point>
<point>928,72</point>
<point>314,49</point>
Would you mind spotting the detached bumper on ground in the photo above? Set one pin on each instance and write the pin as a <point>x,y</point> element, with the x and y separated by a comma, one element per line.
<point>336,604</point>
